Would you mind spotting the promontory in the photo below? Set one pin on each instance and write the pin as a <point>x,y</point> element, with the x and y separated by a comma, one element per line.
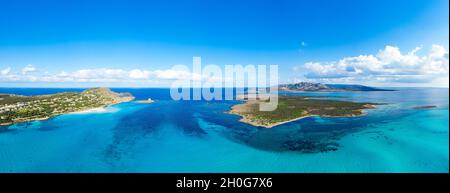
<point>18,108</point>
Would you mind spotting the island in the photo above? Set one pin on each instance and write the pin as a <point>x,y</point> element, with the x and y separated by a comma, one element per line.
<point>425,107</point>
<point>148,101</point>
<point>319,87</point>
<point>18,108</point>
<point>291,108</point>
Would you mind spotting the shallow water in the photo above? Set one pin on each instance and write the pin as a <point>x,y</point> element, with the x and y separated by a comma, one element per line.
<point>188,136</point>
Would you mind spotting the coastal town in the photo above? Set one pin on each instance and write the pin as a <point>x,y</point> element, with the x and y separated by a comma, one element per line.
<point>17,108</point>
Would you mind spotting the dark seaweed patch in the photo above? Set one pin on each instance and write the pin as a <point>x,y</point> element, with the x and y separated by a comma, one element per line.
<point>309,146</point>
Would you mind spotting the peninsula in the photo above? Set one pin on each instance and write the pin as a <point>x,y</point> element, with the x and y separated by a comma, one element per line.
<point>17,108</point>
<point>291,108</point>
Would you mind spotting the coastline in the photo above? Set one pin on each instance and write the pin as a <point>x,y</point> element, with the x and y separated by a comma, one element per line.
<point>114,98</point>
<point>87,111</point>
<point>244,119</point>
<point>250,122</point>
<point>101,109</point>
<point>28,120</point>
<point>241,109</point>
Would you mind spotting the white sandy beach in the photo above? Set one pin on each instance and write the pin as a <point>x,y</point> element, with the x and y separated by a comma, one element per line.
<point>94,110</point>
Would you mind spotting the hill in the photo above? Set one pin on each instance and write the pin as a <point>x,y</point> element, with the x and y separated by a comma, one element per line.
<point>319,87</point>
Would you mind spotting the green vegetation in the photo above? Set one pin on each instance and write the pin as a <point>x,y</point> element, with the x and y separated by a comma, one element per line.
<point>16,108</point>
<point>294,107</point>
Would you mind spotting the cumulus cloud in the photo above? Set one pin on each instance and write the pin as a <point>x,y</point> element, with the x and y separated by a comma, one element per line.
<point>139,74</point>
<point>98,75</point>
<point>388,65</point>
<point>175,74</point>
<point>5,71</point>
<point>29,68</point>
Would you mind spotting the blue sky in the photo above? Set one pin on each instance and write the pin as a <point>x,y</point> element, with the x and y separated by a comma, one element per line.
<point>47,43</point>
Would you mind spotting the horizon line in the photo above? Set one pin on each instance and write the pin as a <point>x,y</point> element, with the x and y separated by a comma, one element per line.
<point>137,87</point>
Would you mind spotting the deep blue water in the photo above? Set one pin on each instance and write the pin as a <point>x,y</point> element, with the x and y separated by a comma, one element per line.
<point>197,136</point>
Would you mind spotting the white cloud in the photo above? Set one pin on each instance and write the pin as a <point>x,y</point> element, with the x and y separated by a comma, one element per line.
<point>99,75</point>
<point>5,71</point>
<point>388,65</point>
<point>175,74</point>
<point>29,68</point>
<point>139,74</point>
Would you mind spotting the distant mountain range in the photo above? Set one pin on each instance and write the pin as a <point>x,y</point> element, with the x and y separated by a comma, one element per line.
<point>319,87</point>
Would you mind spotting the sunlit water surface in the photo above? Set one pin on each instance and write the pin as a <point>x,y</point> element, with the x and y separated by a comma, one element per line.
<point>197,136</point>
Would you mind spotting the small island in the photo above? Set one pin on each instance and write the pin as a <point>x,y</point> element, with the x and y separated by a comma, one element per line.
<point>17,108</point>
<point>148,101</point>
<point>319,87</point>
<point>291,108</point>
<point>425,107</point>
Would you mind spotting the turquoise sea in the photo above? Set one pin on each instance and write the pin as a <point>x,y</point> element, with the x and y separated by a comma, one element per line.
<point>196,136</point>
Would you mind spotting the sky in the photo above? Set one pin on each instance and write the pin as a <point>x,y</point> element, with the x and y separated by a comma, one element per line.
<point>86,43</point>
